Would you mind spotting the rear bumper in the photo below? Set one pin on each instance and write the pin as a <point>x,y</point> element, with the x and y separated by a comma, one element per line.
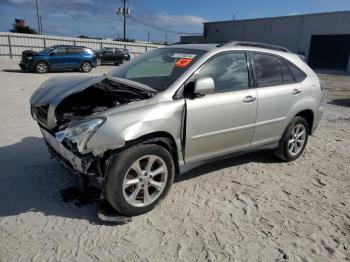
<point>317,118</point>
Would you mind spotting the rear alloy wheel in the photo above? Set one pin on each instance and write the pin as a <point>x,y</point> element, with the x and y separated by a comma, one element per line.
<point>86,67</point>
<point>297,140</point>
<point>139,178</point>
<point>99,61</point>
<point>294,139</point>
<point>41,67</point>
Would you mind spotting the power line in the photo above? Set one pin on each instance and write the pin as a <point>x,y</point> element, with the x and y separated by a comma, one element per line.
<point>161,28</point>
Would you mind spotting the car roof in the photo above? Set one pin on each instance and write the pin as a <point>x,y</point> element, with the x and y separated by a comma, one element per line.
<point>204,47</point>
<point>232,44</point>
<point>71,46</point>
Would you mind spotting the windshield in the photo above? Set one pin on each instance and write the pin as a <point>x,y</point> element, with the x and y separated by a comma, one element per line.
<point>48,49</point>
<point>158,68</point>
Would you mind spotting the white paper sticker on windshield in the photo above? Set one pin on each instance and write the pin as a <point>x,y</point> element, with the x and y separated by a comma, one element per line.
<point>183,55</point>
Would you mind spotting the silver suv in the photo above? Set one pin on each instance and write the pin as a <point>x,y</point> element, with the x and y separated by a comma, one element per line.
<point>130,131</point>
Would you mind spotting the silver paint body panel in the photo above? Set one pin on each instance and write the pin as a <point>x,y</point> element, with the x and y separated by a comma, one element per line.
<point>214,125</point>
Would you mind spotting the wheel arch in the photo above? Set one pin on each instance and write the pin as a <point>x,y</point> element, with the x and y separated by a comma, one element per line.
<point>85,60</point>
<point>309,116</point>
<point>163,139</point>
<point>160,138</point>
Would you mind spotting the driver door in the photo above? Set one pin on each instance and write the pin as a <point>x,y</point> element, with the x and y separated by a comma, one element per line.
<point>58,58</point>
<point>221,122</point>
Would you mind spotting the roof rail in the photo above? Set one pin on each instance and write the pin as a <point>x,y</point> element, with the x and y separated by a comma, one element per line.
<point>257,44</point>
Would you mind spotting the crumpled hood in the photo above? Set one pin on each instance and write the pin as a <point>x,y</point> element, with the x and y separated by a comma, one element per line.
<point>54,90</point>
<point>30,53</point>
<point>53,93</point>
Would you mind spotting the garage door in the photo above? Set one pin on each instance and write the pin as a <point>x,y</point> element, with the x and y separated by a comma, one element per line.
<point>329,51</point>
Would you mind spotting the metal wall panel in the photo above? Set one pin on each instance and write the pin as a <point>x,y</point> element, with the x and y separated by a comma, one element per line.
<point>13,44</point>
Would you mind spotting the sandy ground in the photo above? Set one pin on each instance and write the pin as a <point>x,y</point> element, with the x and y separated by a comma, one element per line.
<point>250,208</point>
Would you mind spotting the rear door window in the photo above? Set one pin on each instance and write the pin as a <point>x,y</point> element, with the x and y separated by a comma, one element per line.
<point>75,50</point>
<point>267,70</point>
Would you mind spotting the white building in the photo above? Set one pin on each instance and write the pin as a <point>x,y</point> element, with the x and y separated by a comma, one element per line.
<point>323,38</point>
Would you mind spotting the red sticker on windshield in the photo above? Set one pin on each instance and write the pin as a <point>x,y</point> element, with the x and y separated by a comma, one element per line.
<point>183,62</point>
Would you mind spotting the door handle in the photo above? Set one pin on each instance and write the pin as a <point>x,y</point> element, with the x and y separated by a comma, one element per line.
<point>296,91</point>
<point>249,99</point>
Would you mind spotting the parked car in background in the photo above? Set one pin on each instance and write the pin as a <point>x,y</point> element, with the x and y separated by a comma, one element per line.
<point>112,55</point>
<point>130,131</point>
<point>59,57</point>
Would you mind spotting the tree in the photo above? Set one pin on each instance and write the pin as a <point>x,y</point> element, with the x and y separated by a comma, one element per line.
<point>17,28</point>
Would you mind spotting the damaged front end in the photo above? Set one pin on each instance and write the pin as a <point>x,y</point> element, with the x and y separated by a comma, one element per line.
<point>68,119</point>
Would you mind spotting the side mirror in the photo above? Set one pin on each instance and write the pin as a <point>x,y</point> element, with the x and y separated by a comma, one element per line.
<point>204,86</point>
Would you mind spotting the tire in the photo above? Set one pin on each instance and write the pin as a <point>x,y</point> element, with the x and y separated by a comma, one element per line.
<point>86,66</point>
<point>99,61</point>
<point>297,133</point>
<point>41,67</point>
<point>122,169</point>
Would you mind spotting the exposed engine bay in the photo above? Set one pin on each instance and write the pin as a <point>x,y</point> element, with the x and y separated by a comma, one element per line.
<point>96,98</point>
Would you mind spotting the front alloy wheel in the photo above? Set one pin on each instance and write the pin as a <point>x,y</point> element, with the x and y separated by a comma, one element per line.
<point>99,61</point>
<point>138,178</point>
<point>145,180</point>
<point>41,67</point>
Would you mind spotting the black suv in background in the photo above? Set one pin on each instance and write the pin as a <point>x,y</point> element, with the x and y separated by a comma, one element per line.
<point>112,55</point>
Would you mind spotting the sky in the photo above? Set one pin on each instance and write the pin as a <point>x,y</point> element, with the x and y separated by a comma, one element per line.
<point>97,18</point>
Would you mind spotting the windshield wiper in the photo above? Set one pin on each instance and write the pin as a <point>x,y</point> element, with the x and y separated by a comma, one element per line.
<point>134,84</point>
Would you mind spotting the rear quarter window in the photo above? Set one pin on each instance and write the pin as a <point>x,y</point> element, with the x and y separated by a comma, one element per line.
<point>298,74</point>
<point>286,73</point>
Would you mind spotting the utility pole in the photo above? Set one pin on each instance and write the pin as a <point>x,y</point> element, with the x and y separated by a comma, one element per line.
<point>124,11</point>
<point>41,25</point>
<point>148,34</point>
<point>166,38</point>
<point>124,19</point>
<point>37,16</point>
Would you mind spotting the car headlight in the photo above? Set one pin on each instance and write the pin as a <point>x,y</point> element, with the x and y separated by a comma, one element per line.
<point>80,133</point>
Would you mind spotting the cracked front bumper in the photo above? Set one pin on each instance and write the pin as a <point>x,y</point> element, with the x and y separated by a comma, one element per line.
<point>63,154</point>
<point>25,65</point>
